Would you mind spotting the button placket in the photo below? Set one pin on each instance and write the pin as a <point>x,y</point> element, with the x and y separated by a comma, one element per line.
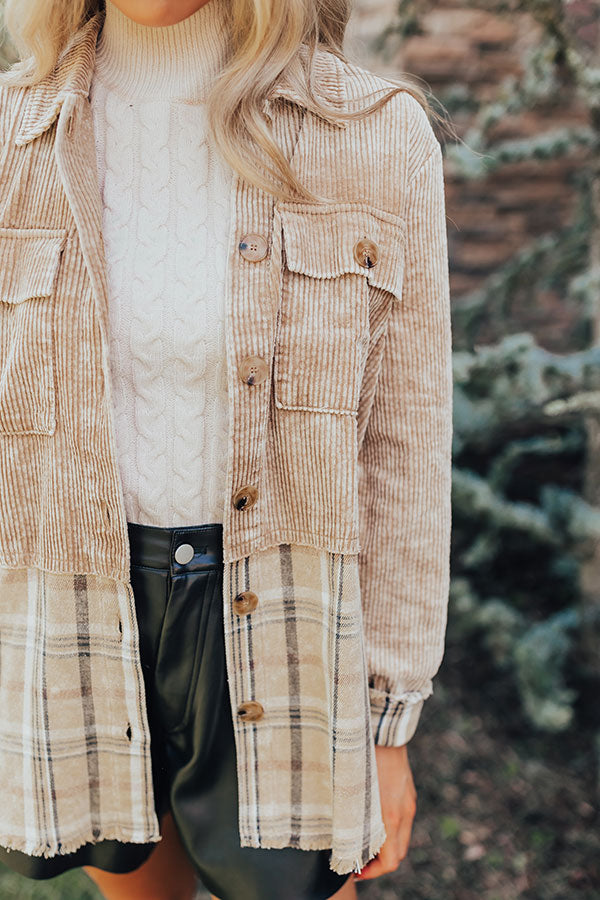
<point>252,369</point>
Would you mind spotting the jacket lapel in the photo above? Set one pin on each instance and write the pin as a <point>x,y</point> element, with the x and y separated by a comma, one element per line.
<point>75,155</point>
<point>72,75</point>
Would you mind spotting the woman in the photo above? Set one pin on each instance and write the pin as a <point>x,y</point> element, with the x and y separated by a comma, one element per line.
<point>225,425</point>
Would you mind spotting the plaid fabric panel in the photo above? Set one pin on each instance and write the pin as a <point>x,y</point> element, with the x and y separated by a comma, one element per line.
<point>395,719</point>
<point>306,770</point>
<point>74,739</point>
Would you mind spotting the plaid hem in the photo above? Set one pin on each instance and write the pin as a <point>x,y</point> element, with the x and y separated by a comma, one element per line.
<point>74,736</point>
<point>394,719</point>
<point>9,842</point>
<point>338,861</point>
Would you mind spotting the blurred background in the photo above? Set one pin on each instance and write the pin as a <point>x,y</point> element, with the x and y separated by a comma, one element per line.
<point>506,758</point>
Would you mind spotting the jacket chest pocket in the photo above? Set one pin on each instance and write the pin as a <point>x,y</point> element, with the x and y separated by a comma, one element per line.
<point>337,264</point>
<point>29,262</point>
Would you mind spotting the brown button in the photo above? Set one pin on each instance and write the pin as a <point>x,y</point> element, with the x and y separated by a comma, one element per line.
<point>366,252</point>
<point>245,497</point>
<point>245,602</point>
<point>250,711</point>
<point>253,370</point>
<point>253,247</point>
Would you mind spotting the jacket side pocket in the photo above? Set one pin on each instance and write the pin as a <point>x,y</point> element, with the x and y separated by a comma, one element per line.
<point>29,264</point>
<point>328,300</point>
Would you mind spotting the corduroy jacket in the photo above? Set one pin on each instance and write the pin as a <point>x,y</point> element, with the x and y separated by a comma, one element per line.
<point>341,457</point>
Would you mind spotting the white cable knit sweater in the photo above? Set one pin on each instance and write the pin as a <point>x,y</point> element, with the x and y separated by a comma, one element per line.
<point>165,224</point>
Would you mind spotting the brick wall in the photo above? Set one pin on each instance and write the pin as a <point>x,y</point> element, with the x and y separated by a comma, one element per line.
<point>488,220</point>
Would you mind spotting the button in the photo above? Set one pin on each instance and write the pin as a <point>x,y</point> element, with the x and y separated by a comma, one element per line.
<point>245,497</point>
<point>253,247</point>
<point>253,370</point>
<point>245,602</point>
<point>366,252</point>
<point>251,711</point>
<point>184,553</point>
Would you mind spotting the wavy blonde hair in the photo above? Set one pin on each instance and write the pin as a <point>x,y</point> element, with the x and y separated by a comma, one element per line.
<point>265,36</point>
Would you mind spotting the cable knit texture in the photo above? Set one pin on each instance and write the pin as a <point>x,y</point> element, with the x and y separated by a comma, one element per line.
<point>165,193</point>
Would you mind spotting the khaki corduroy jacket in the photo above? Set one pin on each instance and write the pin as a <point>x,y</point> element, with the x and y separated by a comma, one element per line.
<point>345,450</point>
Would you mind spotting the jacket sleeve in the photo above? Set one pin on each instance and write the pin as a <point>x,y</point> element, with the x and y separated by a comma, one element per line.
<point>405,474</point>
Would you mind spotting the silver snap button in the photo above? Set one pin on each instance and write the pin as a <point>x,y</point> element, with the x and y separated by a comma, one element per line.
<point>184,553</point>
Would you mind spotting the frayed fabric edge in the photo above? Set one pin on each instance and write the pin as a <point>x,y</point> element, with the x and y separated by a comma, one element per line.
<point>343,864</point>
<point>338,863</point>
<point>48,851</point>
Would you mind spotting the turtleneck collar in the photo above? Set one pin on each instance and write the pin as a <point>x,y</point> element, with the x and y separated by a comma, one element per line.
<point>170,61</point>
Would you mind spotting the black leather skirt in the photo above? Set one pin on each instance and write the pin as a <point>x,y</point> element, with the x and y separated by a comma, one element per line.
<point>177,574</point>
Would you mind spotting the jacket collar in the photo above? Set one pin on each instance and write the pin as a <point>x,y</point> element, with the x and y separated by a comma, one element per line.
<point>74,69</point>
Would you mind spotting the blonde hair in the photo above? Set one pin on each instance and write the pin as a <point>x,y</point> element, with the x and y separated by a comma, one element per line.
<point>265,38</point>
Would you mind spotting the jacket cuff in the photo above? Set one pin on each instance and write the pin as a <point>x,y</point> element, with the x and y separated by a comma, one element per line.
<point>394,720</point>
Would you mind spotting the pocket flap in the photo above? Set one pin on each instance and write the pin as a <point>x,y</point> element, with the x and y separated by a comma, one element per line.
<point>29,259</point>
<point>319,241</point>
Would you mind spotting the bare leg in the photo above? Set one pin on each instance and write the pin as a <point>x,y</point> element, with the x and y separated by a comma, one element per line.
<point>348,892</point>
<point>166,875</point>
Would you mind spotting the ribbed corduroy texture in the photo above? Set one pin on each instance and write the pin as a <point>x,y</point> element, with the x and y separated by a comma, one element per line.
<point>347,444</point>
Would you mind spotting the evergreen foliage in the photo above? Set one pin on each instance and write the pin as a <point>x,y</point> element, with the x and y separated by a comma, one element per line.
<point>524,522</point>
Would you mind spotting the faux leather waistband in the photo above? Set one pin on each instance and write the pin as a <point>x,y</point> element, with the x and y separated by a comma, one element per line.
<point>171,548</point>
